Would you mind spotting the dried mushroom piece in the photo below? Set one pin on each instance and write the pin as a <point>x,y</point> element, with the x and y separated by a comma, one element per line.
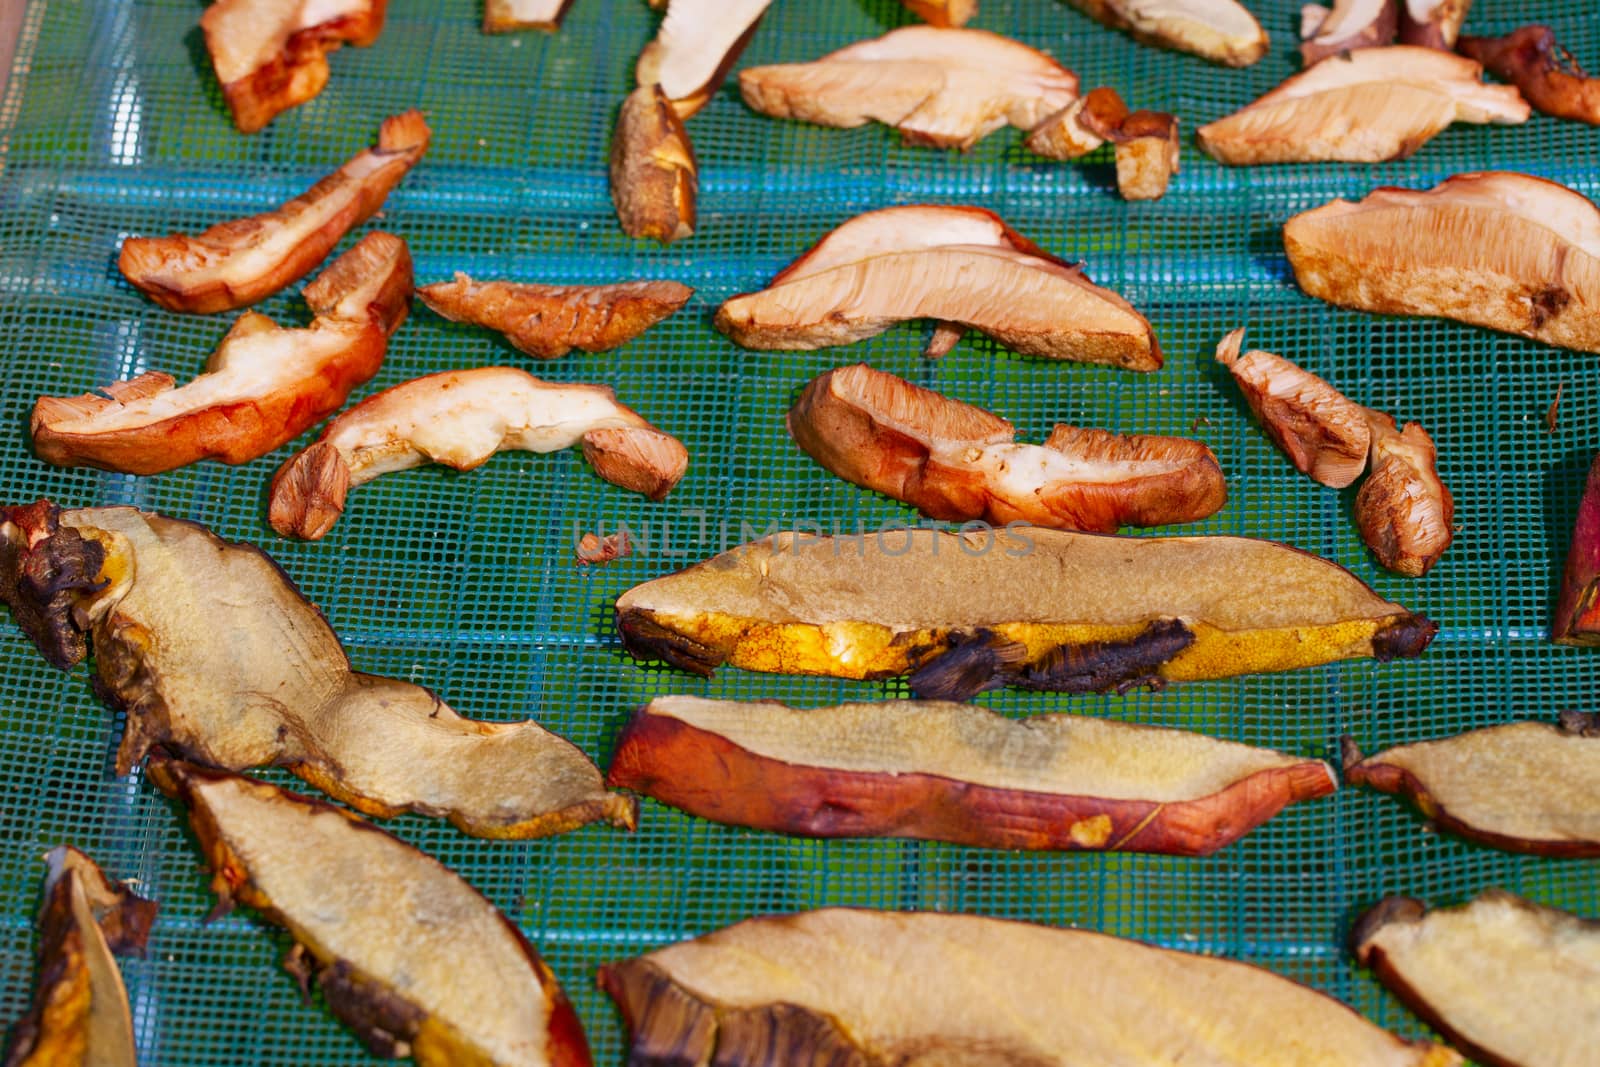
<point>241,262</point>
<point>1027,607</point>
<point>1079,128</point>
<point>547,321</point>
<point>272,55</point>
<point>1146,154</point>
<point>1432,23</point>
<point>695,47</point>
<point>215,655</point>
<point>1524,787</point>
<point>407,954</point>
<point>1509,982</point>
<point>1404,512</point>
<point>1544,72</point>
<point>954,461</point>
<point>264,384</point>
<point>1507,251</point>
<point>943,12</point>
<point>1577,617</point>
<point>855,987</point>
<point>942,88</point>
<point>1222,31</point>
<point>80,1013</point>
<point>460,419</point>
<point>1348,25</point>
<point>655,179</point>
<point>504,16</point>
<point>1366,106</point>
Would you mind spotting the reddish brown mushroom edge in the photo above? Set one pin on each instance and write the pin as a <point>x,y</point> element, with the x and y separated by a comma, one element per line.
<point>1577,618</point>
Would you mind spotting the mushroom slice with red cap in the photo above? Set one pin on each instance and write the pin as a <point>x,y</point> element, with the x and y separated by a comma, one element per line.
<point>547,321</point>
<point>1545,72</point>
<point>1222,31</point>
<point>696,45</point>
<point>504,16</point>
<point>1348,25</point>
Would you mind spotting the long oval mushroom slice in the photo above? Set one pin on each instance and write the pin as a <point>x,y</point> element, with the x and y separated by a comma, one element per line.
<point>1545,73</point>
<point>547,321</point>
<point>1222,31</point>
<point>238,263</point>
<point>943,12</point>
<point>956,772</point>
<point>1366,106</point>
<point>857,987</point>
<point>954,461</point>
<point>944,88</point>
<point>460,418</point>
<point>696,45</point>
<point>1432,23</point>
<point>263,386</point>
<point>1523,787</point>
<point>1349,25</point>
<point>1507,251</point>
<point>407,954</point>
<point>80,1011</point>
<point>1577,617</point>
<point>655,179</point>
<point>1508,981</point>
<point>504,16</point>
<point>1404,512</point>
<point>214,654</point>
<point>1033,608</point>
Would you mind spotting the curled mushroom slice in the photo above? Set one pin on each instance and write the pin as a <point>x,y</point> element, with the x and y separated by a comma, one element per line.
<point>263,386</point>
<point>655,179</point>
<point>1349,25</point>
<point>503,16</point>
<point>943,88</point>
<point>1542,70</point>
<point>1222,31</point>
<point>1080,127</point>
<point>547,321</point>
<point>460,419</point>
<point>407,954</point>
<point>943,12</point>
<point>696,46</point>
<point>1405,514</point>
<point>215,655</point>
<point>1146,154</point>
<point>1507,251</point>
<point>954,461</point>
<point>1577,617</point>
<point>1432,23</point>
<point>1366,106</point>
<point>238,263</point>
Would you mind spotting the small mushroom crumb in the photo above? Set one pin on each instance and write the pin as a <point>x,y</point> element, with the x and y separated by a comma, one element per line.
<point>595,549</point>
<point>1552,413</point>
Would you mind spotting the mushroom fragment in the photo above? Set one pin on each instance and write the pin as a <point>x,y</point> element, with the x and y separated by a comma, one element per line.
<point>547,321</point>
<point>1404,512</point>
<point>852,986</point>
<point>1349,25</point>
<point>1366,106</point>
<point>1541,69</point>
<point>942,88</point>
<point>271,55</point>
<point>1507,251</point>
<point>407,954</point>
<point>503,16</point>
<point>460,419</point>
<point>1146,154</point>
<point>697,44</point>
<point>957,462</point>
<point>1222,31</point>
<point>1511,983</point>
<point>241,262</point>
<point>214,655</point>
<point>593,548</point>
<point>1432,23</point>
<point>264,384</point>
<point>943,12</point>
<point>1577,617</point>
<point>655,179</point>
<point>1079,128</point>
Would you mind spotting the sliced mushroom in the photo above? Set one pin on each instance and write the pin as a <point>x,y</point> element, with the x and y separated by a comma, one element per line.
<point>241,262</point>
<point>1027,607</point>
<point>215,655</point>
<point>460,419</point>
<point>1222,31</point>
<point>655,179</point>
<point>1324,434</point>
<point>1507,251</point>
<point>943,88</point>
<point>1080,127</point>
<point>1432,23</point>
<point>1509,982</point>
<point>595,549</point>
<point>264,384</point>
<point>1523,787</point>
<point>1366,106</point>
<point>271,55</point>
<point>1349,25</point>
<point>943,12</point>
<point>954,461</point>
<point>697,44</point>
<point>547,321</point>
<point>503,16</point>
<point>408,955</point>
<point>1545,72</point>
<point>1147,154</point>
<point>1405,514</point>
<point>1577,617</point>
<point>854,987</point>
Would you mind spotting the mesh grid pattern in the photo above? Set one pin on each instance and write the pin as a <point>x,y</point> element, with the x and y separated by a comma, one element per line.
<point>113,124</point>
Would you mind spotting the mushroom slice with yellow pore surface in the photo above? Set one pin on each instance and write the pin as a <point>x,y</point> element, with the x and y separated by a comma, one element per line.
<point>1222,31</point>
<point>696,45</point>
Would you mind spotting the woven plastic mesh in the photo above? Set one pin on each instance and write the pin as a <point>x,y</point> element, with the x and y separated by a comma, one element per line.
<point>113,124</point>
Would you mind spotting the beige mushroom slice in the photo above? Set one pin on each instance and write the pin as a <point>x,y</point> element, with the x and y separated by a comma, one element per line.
<point>1404,512</point>
<point>1366,106</point>
<point>1432,23</point>
<point>655,179</point>
<point>1349,25</point>
<point>1146,154</point>
<point>1507,251</point>
<point>1222,31</point>
<point>460,419</point>
<point>695,47</point>
<point>1079,128</point>
<point>1544,72</point>
<point>943,12</point>
<point>547,321</point>
<point>504,16</point>
<point>943,88</point>
<point>243,261</point>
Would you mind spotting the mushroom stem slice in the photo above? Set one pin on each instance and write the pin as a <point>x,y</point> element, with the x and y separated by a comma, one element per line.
<point>697,44</point>
<point>1451,966</point>
<point>1432,23</point>
<point>547,321</point>
<point>655,179</point>
<point>1351,24</point>
<point>944,13</point>
<point>1222,31</point>
<point>406,953</point>
<point>504,16</point>
<point>1577,617</point>
<point>1080,127</point>
<point>1405,513</point>
<point>1545,72</point>
<point>241,262</point>
<point>1147,154</point>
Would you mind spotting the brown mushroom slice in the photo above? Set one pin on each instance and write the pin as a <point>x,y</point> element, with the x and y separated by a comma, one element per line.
<point>263,386</point>
<point>1524,787</point>
<point>956,462</point>
<point>1545,73</point>
<point>547,321</point>
<point>1405,513</point>
<point>655,179</point>
<point>1511,983</point>
<point>1324,434</point>
<point>1366,106</point>
<point>942,88</point>
<point>1222,31</point>
<point>1577,617</point>
<point>1027,607</point>
<point>1080,127</point>
<point>852,986</point>
<point>1507,251</point>
<point>80,1011</point>
<point>407,954</point>
<point>504,16</point>
<point>1146,154</point>
<point>215,655</point>
<point>1432,23</point>
<point>696,45</point>
<point>943,12</point>
<point>1349,25</point>
<point>241,262</point>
